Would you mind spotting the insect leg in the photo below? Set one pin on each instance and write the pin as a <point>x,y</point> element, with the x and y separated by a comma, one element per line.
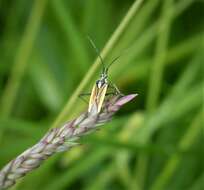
<point>115,88</point>
<point>110,93</point>
<point>84,94</point>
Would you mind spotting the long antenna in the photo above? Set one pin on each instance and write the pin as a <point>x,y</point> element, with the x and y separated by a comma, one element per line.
<point>97,51</point>
<point>115,59</point>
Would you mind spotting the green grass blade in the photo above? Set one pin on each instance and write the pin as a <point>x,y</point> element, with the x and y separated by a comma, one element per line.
<point>188,139</point>
<point>72,34</point>
<point>22,56</point>
<point>158,65</point>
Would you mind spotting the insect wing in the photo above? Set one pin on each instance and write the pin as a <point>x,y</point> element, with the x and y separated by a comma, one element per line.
<point>92,98</point>
<point>97,97</point>
<point>101,96</point>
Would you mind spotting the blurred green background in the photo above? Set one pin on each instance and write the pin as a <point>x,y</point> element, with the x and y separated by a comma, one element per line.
<point>154,142</point>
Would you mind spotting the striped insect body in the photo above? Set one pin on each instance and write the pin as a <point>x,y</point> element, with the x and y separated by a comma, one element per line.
<point>99,90</point>
<point>98,94</point>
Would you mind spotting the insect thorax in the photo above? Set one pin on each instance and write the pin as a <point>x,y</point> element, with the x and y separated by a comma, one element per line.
<point>102,81</point>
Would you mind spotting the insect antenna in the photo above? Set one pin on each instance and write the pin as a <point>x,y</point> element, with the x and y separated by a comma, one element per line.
<point>97,51</point>
<point>114,60</point>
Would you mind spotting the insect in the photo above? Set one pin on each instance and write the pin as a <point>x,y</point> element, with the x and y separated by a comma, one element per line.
<point>99,90</point>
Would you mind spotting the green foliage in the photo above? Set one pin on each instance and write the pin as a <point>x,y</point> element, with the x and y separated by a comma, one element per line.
<point>46,62</point>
